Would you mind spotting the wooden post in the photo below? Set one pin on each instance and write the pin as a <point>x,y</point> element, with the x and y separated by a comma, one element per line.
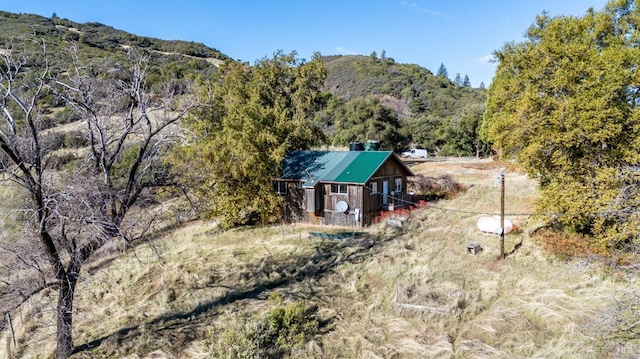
<point>502,215</point>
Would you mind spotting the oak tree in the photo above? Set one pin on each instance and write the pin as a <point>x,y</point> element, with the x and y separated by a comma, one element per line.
<point>76,205</point>
<point>564,102</point>
<point>363,119</point>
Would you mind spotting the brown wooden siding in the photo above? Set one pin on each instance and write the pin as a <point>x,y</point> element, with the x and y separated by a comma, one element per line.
<point>317,205</point>
<point>310,199</point>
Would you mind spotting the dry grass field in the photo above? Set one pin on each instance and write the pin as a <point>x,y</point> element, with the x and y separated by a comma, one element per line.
<point>416,292</point>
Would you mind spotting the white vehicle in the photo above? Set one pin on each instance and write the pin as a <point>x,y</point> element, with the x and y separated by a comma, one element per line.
<point>415,153</point>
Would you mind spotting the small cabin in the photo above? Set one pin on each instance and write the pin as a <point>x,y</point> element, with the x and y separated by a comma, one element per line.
<point>344,188</point>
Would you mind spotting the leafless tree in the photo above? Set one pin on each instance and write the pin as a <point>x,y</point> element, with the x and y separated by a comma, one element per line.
<point>71,215</point>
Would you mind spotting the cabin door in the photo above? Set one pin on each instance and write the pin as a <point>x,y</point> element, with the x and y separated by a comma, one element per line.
<point>385,192</point>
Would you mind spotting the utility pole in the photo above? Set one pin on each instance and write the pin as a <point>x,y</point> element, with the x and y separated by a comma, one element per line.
<point>502,214</point>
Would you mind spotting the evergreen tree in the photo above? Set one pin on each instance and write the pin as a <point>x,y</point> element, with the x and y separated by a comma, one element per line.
<point>466,82</point>
<point>442,71</point>
<point>466,139</point>
<point>458,79</point>
<point>482,85</point>
<point>256,115</point>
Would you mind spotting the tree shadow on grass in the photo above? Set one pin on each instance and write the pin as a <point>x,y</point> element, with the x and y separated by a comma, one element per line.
<point>328,255</point>
<point>515,248</point>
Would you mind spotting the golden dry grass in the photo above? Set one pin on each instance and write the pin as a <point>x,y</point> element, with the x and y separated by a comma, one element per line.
<point>417,293</point>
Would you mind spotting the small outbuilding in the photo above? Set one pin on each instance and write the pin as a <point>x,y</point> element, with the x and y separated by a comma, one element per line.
<point>346,188</point>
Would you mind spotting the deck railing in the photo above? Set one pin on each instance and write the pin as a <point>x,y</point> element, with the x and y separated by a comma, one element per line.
<point>394,201</point>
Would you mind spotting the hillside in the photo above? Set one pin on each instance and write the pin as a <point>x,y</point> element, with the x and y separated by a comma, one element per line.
<point>433,111</point>
<point>201,292</point>
<point>416,90</point>
<point>176,58</point>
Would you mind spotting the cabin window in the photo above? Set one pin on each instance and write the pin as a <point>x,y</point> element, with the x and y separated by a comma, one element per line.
<point>338,188</point>
<point>280,187</point>
<point>398,185</point>
<point>374,187</point>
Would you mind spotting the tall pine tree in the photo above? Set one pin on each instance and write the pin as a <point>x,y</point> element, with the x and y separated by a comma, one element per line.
<point>442,71</point>
<point>466,82</point>
<point>458,79</point>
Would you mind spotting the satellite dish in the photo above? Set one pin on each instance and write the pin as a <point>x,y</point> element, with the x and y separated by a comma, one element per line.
<point>342,207</point>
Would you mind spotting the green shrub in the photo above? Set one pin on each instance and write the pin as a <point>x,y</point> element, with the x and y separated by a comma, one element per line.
<point>120,169</point>
<point>75,139</point>
<point>67,115</point>
<point>291,326</point>
<point>60,161</point>
<point>272,335</point>
<point>53,141</point>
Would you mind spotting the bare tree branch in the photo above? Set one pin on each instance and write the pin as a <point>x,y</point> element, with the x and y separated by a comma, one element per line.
<point>70,217</point>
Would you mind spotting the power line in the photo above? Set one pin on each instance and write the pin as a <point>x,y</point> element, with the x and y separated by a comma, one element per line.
<point>531,214</point>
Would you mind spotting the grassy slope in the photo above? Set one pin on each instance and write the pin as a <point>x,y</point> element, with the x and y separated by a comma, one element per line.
<point>415,293</point>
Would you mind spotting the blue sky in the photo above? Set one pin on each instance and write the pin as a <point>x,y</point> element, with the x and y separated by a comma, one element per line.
<point>461,34</point>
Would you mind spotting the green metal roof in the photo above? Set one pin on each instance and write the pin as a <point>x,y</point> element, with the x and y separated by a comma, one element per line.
<point>333,166</point>
<point>363,166</point>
